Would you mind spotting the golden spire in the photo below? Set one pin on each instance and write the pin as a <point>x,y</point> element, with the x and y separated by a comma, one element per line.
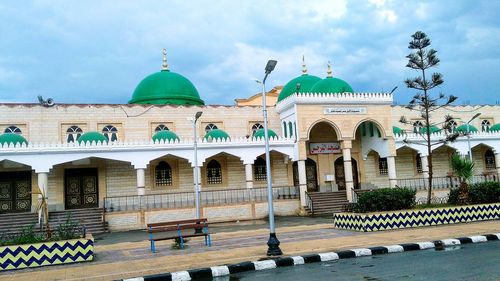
<point>304,68</point>
<point>164,66</point>
<point>329,71</point>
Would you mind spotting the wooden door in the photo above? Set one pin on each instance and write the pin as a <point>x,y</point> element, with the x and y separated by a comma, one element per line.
<point>81,188</point>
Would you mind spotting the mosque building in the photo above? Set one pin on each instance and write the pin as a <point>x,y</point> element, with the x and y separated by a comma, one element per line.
<point>325,138</point>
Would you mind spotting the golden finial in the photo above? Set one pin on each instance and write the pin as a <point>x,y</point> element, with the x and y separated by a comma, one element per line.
<point>164,66</point>
<point>304,68</point>
<point>329,71</point>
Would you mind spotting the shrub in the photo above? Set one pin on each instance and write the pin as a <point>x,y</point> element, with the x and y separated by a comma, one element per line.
<point>69,229</point>
<point>28,235</point>
<point>385,199</point>
<point>479,193</point>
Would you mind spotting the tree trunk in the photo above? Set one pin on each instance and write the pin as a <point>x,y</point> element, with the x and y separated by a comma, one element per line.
<point>463,192</point>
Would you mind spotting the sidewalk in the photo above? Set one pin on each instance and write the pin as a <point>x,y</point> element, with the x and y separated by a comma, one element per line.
<point>127,254</point>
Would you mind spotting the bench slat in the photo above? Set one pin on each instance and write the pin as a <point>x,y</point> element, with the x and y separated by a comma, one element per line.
<point>176,222</point>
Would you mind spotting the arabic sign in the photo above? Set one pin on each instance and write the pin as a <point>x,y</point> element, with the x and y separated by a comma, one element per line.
<point>324,147</point>
<point>344,110</point>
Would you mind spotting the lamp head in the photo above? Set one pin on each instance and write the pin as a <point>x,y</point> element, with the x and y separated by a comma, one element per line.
<point>475,116</point>
<point>271,64</point>
<point>198,114</point>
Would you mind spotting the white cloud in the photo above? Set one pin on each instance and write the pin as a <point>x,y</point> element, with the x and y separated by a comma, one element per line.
<point>387,15</point>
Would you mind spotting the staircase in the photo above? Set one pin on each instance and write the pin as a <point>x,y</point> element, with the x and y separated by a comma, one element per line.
<point>327,203</point>
<point>15,222</point>
<point>92,218</point>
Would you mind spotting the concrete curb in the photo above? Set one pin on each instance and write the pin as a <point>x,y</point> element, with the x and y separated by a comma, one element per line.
<point>216,271</point>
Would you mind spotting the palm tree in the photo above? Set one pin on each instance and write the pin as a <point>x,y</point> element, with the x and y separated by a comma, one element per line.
<point>463,168</point>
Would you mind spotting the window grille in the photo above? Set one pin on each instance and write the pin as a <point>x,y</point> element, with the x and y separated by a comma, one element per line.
<point>214,172</point>
<point>259,170</point>
<point>110,132</point>
<point>256,127</point>
<point>210,127</point>
<point>73,133</point>
<point>417,125</point>
<point>418,160</point>
<point>13,130</point>
<point>485,125</point>
<point>382,166</point>
<point>163,174</point>
<point>161,127</point>
<point>489,160</point>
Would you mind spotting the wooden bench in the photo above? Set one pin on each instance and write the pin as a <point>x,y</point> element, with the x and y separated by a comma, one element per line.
<point>199,227</point>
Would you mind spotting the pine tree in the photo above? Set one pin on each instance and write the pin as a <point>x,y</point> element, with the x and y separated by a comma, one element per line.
<point>421,59</point>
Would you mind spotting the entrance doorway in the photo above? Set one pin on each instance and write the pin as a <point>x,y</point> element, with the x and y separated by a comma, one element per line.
<point>340,174</point>
<point>311,175</point>
<point>81,188</point>
<point>15,192</point>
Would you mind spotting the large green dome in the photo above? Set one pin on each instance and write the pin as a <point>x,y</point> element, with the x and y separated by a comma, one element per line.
<point>306,83</point>
<point>260,134</point>
<point>495,128</point>
<point>216,134</point>
<point>463,128</point>
<point>331,85</point>
<point>92,137</point>
<point>12,138</point>
<point>165,135</point>
<point>166,87</point>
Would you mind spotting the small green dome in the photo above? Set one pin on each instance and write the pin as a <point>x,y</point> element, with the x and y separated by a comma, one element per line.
<point>463,128</point>
<point>260,133</point>
<point>165,135</point>
<point>433,130</point>
<point>495,128</point>
<point>306,83</point>
<point>216,134</point>
<point>92,136</point>
<point>397,131</point>
<point>12,138</point>
<point>166,87</point>
<point>331,85</point>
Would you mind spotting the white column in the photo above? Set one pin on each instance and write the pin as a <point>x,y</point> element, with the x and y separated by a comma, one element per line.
<point>43,183</point>
<point>391,166</point>
<point>349,184</point>
<point>141,182</point>
<point>497,162</point>
<point>301,167</point>
<point>249,175</point>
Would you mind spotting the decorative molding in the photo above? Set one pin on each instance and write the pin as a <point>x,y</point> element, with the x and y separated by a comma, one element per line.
<point>334,98</point>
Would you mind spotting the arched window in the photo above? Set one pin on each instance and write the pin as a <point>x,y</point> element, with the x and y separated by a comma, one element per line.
<point>163,174</point>
<point>259,169</point>
<point>452,126</point>
<point>110,132</point>
<point>210,127</point>
<point>161,127</point>
<point>382,166</point>
<point>73,133</point>
<point>256,127</point>
<point>417,125</point>
<point>290,128</point>
<point>418,161</point>
<point>214,172</point>
<point>13,130</point>
<point>489,160</point>
<point>284,129</point>
<point>485,125</point>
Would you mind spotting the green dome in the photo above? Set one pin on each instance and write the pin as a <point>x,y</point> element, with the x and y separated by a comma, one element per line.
<point>331,85</point>
<point>495,128</point>
<point>166,87</point>
<point>397,131</point>
<point>433,130</point>
<point>92,136</point>
<point>12,138</point>
<point>463,128</point>
<point>306,82</point>
<point>217,134</point>
<point>260,133</point>
<point>165,135</point>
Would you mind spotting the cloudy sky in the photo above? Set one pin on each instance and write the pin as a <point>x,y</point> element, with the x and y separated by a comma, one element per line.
<point>98,51</point>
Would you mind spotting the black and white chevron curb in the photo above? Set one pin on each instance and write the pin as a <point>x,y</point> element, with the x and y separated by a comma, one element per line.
<point>216,271</point>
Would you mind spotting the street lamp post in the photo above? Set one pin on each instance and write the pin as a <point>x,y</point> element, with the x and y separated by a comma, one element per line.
<point>196,175</point>
<point>468,134</point>
<point>273,243</point>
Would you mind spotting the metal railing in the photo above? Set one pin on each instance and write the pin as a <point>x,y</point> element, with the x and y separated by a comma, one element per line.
<point>176,200</point>
<point>309,203</point>
<point>443,182</point>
